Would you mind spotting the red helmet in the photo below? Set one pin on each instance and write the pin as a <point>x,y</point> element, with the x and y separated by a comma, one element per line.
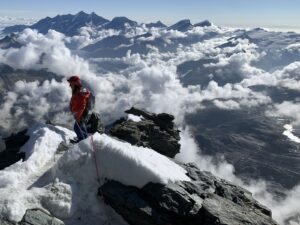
<point>74,80</point>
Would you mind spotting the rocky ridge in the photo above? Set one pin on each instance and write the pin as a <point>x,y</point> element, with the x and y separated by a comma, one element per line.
<point>155,131</point>
<point>36,217</point>
<point>204,200</point>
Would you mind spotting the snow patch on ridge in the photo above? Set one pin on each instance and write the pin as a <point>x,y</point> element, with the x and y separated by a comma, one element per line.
<point>15,181</point>
<point>289,133</point>
<point>66,185</point>
<point>133,165</point>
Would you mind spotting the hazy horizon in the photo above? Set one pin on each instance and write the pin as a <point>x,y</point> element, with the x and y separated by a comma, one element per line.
<point>30,20</point>
<point>271,14</point>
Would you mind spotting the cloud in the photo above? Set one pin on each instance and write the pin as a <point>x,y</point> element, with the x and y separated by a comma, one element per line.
<point>287,109</point>
<point>230,104</point>
<point>6,21</point>
<point>5,110</point>
<point>44,51</point>
<point>287,77</point>
<point>34,101</point>
<point>88,35</point>
<point>150,81</point>
<point>233,96</point>
<point>23,58</point>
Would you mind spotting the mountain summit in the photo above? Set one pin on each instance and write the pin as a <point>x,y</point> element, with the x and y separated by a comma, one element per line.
<point>140,184</point>
<point>70,24</point>
<point>182,25</point>
<point>119,23</point>
<point>66,24</point>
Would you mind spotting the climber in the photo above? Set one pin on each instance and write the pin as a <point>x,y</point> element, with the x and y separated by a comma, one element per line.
<point>79,106</point>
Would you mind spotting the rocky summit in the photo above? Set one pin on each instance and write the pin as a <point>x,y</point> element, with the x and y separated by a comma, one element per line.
<point>155,131</point>
<point>206,200</point>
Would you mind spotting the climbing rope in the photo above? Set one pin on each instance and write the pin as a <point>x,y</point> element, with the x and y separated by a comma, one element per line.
<point>107,212</point>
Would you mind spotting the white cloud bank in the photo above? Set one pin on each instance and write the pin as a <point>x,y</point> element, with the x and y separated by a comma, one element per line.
<point>149,81</point>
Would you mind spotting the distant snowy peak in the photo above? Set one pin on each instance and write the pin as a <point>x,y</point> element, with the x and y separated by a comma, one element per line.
<point>185,25</point>
<point>9,42</point>
<point>69,24</point>
<point>244,35</point>
<point>66,24</point>
<point>14,28</point>
<point>120,23</point>
<point>182,25</point>
<point>204,23</point>
<point>158,24</point>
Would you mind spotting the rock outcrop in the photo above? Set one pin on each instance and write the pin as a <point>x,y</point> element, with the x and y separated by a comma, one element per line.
<point>35,217</point>
<point>39,217</point>
<point>206,200</point>
<point>155,131</point>
<point>11,153</point>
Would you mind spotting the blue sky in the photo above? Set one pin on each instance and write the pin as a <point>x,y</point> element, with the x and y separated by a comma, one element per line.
<point>243,13</point>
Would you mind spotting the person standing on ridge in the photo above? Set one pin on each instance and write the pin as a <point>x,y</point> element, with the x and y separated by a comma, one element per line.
<point>79,106</point>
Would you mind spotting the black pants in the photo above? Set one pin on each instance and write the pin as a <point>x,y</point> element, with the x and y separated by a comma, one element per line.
<point>80,130</point>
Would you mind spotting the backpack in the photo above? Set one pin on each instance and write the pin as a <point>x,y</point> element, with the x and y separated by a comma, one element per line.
<point>93,120</point>
<point>89,107</point>
<point>94,124</point>
<point>91,103</point>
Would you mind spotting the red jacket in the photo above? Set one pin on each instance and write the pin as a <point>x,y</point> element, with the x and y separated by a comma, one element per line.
<point>79,102</point>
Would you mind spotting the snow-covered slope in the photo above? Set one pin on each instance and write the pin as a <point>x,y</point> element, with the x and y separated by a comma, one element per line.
<point>65,183</point>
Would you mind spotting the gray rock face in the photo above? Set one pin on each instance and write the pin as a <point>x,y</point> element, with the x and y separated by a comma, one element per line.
<point>206,200</point>
<point>39,217</point>
<point>3,222</point>
<point>155,131</point>
<point>35,217</point>
<point>13,144</point>
<point>10,41</point>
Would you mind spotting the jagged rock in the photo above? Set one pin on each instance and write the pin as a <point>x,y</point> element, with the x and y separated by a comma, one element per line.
<point>155,131</point>
<point>10,41</point>
<point>39,217</point>
<point>206,200</point>
<point>11,153</point>
<point>3,222</point>
<point>35,217</point>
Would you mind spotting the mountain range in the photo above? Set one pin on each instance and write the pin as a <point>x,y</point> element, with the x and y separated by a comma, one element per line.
<point>70,24</point>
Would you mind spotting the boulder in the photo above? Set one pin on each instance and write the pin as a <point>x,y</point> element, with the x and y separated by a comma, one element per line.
<point>154,131</point>
<point>206,200</point>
